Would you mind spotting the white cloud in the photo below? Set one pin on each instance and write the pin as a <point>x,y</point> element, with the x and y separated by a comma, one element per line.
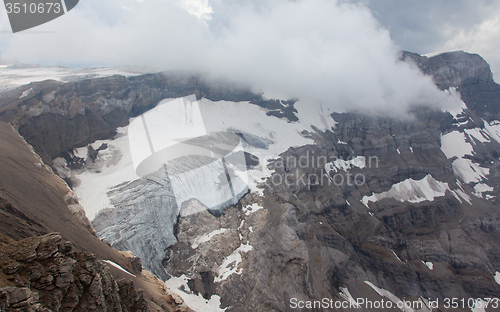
<point>428,26</point>
<point>481,39</point>
<point>316,50</point>
<point>198,8</point>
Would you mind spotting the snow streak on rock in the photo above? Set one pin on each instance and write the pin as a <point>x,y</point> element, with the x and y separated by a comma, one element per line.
<point>230,264</point>
<point>411,191</point>
<point>180,287</point>
<point>454,144</point>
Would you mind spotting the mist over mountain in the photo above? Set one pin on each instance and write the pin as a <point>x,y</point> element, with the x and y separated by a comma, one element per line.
<point>213,155</point>
<point>328,52</point>
<point>348,206</point>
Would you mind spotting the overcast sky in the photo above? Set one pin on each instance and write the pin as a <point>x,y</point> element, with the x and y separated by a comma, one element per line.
<point>340,53</point>
<point>426,26</point>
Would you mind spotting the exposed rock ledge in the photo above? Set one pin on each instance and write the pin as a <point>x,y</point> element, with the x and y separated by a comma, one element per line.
<point>45,274</point>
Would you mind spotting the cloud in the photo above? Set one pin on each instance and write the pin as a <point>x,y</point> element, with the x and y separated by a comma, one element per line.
<point>481,39</point>
<point>321,51</point>
<point>427,26</point>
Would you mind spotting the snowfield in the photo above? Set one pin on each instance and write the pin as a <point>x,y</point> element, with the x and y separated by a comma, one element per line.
<point>178,122</point>
<point>411,191</point>
<point>16,75</point>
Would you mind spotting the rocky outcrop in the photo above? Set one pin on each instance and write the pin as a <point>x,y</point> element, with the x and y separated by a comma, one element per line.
<point>453,69</point>
<point>33,202</point>
<point>45,274</point>
<point>469,73</point>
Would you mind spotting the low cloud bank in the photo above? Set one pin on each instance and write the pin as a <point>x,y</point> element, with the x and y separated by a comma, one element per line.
<point>319,51</point>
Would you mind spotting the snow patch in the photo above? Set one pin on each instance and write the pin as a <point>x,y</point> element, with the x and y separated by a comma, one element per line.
<point>481,188</point>
<point>479,306</point>
<point>454,144</point>
<point>344,293</point>
<point>411,149</point>
<point>430,265</point>
<point>340,164</point>
<point>459,195</point>
<point>26,93</point>
<point>117,168</point>
<point>497,277</point>
<point>180,287</point>
<point>206,237</point>
<point>478,134</point>
<point>61,167</point>
<point>411,191</point>
<point>81,152</point>
<point>118,267</point>
<point>397,150</point>
<point>313,114</point>
<point>469,171</point>
<point>252,208</point>
<point>396,255</point>
<point>432,54</point>
<point>455,105</point>
<point>390,296</point>
<point>493,129</point>
<point>230,264</point>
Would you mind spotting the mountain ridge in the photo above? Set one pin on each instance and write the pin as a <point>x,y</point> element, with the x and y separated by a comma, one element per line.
<point>318,239</point>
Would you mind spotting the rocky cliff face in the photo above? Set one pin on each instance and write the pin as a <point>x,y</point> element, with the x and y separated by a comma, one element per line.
<point>470,74</point>
<point>313,239</point>
<point>45,274</point>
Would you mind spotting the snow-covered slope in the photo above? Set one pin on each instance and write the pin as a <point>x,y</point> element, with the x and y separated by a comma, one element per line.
<point>412,191</point>
<point>262,135</point>
<point>15,75</point>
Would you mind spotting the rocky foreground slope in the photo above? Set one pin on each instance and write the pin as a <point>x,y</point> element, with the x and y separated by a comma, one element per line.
<point>421,224</point>
<point>42,271</point>
<point>45,274</point>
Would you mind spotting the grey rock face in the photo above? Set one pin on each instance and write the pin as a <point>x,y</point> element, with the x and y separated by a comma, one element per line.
<point>469,73</point>
<point>453,69</point>
<point>46,275</point>
<point>309,240</point>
